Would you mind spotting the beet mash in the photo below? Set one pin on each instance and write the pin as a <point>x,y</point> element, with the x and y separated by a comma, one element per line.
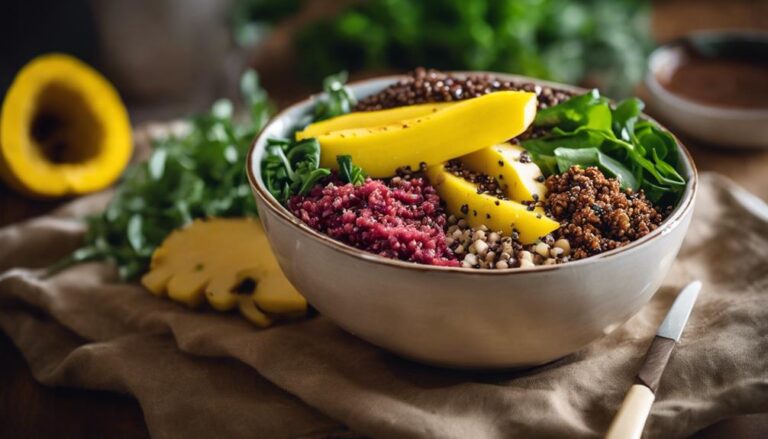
<point>401,219</point>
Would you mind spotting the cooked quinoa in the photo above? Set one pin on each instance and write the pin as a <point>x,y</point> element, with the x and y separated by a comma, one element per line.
<point>595,214</point>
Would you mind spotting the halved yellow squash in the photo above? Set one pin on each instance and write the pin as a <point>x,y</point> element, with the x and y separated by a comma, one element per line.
<point>461,199</point>
<point>63,129</point>
<point>452,131</point>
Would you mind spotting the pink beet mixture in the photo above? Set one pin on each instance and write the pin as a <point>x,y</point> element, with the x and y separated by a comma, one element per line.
<point>400,219</point>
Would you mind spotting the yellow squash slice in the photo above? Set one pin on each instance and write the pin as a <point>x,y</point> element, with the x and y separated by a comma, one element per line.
<point>461,199</point>
<point>229,263</point>
<point>366,119</point>
<point>455,130</point>
<point>63,129</point>
<point>519,179</point>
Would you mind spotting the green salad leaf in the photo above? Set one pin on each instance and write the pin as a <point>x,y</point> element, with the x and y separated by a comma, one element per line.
<point>350,172</point>
<point>200,173</point>
<point>291,167</point>
<point>586,131</point>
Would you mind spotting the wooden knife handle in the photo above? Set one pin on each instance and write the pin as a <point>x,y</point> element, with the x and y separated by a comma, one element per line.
<point>630,420</point>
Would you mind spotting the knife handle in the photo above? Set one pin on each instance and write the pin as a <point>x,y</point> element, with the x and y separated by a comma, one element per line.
<point>629,422</point>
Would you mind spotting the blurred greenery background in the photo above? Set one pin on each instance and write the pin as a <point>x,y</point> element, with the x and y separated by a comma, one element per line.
<point>599,42</point>
<point>171,57</point>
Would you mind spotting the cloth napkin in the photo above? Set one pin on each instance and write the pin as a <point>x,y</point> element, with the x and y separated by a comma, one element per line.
<point>199,374</point>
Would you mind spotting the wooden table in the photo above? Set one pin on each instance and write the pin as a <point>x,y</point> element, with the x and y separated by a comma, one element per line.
<point>28,409</point>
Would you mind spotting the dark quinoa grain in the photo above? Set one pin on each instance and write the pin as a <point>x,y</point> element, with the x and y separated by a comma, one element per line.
<point>485,183</point>
<point>422,86</point>
<point>595,214</point>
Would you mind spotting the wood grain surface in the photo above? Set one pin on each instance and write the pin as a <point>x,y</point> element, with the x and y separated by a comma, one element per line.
<point>30,410</point>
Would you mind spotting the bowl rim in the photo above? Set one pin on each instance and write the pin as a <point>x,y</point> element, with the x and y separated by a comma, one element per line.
<point>674,220</point>
<point>658,55</point>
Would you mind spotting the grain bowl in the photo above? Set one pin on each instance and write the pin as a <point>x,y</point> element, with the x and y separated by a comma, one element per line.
<point>453,314</point>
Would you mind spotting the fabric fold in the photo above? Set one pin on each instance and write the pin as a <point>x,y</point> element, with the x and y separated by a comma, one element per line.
<point>202,374</point>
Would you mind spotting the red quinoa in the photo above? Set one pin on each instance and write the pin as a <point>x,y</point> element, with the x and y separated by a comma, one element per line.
<point>401,219</point>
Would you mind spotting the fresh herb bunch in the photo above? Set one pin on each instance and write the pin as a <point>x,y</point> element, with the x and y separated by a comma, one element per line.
<point>198,174</point>
<point>349,172</point>
<point>586,131</point>
<point>600,42</point>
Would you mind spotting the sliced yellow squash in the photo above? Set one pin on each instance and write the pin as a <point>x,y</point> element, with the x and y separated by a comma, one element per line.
<point>365,119</point>
<point>453,131</point>
<point>519,179</point>
<point>461,199</point>
<point>229,263</point>
<point>63,129</point>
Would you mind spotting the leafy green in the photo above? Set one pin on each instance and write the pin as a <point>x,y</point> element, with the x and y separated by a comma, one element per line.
<point>585,130</point>
<point>603,42</point>
<point>291,167</point>
<point>338,98</point>
<point>198,174</point>
<point>348,171</point>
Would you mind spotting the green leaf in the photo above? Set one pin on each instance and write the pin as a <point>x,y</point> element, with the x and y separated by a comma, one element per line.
<point>156,163</point>
<point>135,233</point>
<point>338,98</point>
<point>586,131</point>
<point>625,115</point>
<point>348,171</point>
<point>570,114</point>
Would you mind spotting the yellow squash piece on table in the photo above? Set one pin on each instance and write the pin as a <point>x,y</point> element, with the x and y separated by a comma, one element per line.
<point>454,130</point>
<point>63,129</point>
<point>461,199</point>
<point>229,263</point>
<point>518,178</point>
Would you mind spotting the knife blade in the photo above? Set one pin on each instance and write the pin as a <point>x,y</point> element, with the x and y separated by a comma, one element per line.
<point>630,420</point>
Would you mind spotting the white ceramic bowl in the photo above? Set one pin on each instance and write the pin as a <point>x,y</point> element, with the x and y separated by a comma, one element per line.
<point>461,317</point>
<point>721,126</point>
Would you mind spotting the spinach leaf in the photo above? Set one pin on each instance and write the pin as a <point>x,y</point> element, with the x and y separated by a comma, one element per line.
<point>570,114</point>
<point>586,131</point>
<point>348,171</point>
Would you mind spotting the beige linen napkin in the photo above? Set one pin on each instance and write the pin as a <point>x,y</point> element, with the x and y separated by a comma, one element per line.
<point>201,374</point>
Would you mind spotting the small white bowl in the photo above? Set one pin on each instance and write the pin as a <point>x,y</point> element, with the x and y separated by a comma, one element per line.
<point>462,317</point>
<point>722,126</point>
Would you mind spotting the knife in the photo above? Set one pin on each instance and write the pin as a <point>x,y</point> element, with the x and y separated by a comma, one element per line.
<point>630,420</point>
